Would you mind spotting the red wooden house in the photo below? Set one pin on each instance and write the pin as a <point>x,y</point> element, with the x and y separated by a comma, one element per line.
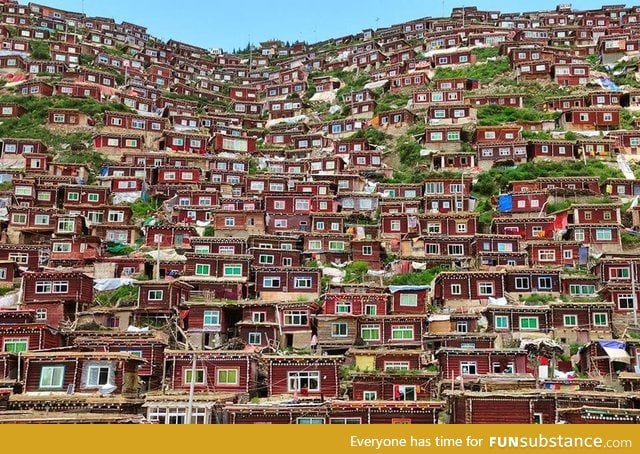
<point>78,90</point>
<point>394,118</point>
<point>56,295</point>
<point>527,228</point>
<point>290,283</point>
<point>455,57</point>
<point>449,114</point>
<point>467,285</point>
<point>337,412</point>
<point>228,371</point>
<point>570,74</point>
<point>447,138</point>
<point>141,123</point>
<point>409,299</point>
<point>184,142</point>
<point>533,406</point>
<point>188,175</point>
<point>169,235</point>
<point>395,384</point>
<point>158,298</point>
<point>118,141</point>
<point>75,250</point>
<point>533,71</point>
<point>498,134</point>
<point>522,281</point>
<point>22,331</point>
<point>31,256</point>
<point>507,100</point>
<point>66,118</point>
<point>259,325</point>
<point>411,81</point>
<point>456,83</point>
<point>468,363</point>
<point>562,149</point>
<point>532,202</point>
<point>234,144</point>
<point>81,372</point>
<point>304,375</point>
<point>549,253</point>
<point>398,330</point>
<point>579,322</point>
<point>146,345</point>
<point>591,118</point>
<point>34,88</point>
<point>490,154</point>
<point>569,185</point>
<point>232,223</point>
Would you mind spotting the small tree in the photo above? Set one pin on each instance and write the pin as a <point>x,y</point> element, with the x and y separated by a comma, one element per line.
<point>356,271</point>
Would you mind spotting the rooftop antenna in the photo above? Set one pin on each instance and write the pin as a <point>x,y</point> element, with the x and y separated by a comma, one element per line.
<point>443,8</point>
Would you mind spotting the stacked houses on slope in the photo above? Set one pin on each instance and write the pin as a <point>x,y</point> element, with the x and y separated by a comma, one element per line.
<point>184,239</point>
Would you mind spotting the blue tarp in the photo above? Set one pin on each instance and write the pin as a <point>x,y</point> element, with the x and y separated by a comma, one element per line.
<point>505,202</point>
<point>583,255</point>
<point>612,344</point>
<point>607,83</point>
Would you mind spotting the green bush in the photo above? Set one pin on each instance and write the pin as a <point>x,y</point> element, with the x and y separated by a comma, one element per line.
<point>356,271</point>
<point>493,114</point>
<point>417,278</point>
<point>408,150</point>
<point>374,136</point>
<point>40,50</point>
<point>484,72</point>
<point>495,180</point>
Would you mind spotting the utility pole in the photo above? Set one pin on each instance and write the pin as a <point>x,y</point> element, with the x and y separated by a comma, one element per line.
<point>157,270</point>
<point>633,292</point>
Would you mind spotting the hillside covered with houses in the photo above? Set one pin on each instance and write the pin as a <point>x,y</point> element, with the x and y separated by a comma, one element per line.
<point>432,222</point>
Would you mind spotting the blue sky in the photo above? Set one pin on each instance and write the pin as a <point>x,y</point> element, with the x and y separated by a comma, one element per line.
<point>231,24</point>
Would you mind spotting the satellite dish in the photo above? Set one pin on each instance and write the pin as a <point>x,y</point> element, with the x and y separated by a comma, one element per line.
<point>107,389</point>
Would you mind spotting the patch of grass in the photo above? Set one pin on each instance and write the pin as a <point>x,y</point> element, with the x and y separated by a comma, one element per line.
<point>484,72</point>
<point>630,240</point>
<point>391,101</point>
<point>353,81</point>
<point>408,150</point>
<point>374,136</point>
<point>142,209</point>
<point>536,135</point>
<point>356,271</point>
<point>484,53</point>
<point>31,124</point>
<point>557,206</point>
<point>128,293</point>
<point>538,298</point>
<point>5,290</point>
<point>493,114</point>
<point>417,278</point>
<point>40,50</point>
<point>491,182</point>
<point>94,159</point>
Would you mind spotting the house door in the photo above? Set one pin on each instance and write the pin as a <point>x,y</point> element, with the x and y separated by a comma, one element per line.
<point>288,340</point>
<point>582,337</point>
